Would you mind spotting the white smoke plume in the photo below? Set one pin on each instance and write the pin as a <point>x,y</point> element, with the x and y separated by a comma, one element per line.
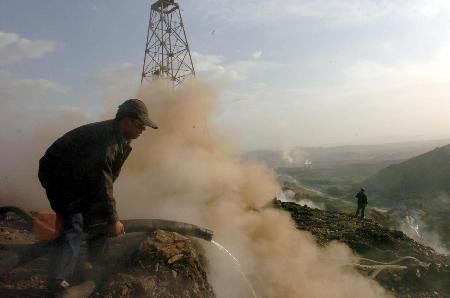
<point>415,227</point>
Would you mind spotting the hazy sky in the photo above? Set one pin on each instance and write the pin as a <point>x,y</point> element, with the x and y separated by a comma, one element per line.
<point>291,72</point>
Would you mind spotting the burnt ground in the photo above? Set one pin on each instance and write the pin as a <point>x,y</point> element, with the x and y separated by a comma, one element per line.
<point>428,275</point>
<point>26,281</point>
<point>165,264</point>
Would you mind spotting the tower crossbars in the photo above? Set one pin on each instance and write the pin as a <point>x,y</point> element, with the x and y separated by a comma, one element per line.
<point>167,55</point>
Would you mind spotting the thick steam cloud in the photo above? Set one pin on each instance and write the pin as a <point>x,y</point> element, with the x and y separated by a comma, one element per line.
<point>186,171</point>
<point>27,130</point>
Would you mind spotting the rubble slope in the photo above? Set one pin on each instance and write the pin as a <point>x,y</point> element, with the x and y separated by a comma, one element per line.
<point>165,264</point>
<point>398,263</point>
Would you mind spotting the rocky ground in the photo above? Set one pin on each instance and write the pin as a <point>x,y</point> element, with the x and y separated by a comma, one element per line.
<point>165,264</point>
<point>419,272</point>
<point>26,281</point>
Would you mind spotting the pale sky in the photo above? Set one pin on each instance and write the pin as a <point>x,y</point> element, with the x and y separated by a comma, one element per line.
<point>293,72</point>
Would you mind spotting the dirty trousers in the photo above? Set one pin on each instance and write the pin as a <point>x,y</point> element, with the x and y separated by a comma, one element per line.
<point>360,207</point>
<point>64,252</point>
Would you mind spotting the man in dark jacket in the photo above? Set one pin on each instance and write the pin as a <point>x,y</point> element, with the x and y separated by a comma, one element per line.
<point>362,202</point>
<point>77,172</point>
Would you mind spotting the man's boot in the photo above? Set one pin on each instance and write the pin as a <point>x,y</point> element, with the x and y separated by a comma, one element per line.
<point>57,286</point>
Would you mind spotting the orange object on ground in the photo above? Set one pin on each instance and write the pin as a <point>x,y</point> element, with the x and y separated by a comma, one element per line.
<point>47,226</point>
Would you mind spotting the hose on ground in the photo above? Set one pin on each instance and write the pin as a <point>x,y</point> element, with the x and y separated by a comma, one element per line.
<point>27,217</point>
<point>378,266</point>
<point>25,253</point>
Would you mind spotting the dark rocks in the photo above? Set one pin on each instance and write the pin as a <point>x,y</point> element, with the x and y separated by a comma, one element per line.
<point>424,275</point>
<point>166,264</point>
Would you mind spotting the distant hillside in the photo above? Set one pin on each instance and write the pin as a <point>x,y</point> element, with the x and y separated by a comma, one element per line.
<point>420,183</point>
<point>332,156</point>
<point>423,175</point>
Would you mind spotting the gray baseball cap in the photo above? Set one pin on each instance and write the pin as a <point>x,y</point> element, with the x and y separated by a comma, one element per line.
<point>135,108</point>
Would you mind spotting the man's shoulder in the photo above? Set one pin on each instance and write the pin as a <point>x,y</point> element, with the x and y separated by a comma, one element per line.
<point>92,133</point>
<point>94,126</point>
<point>94,129</point>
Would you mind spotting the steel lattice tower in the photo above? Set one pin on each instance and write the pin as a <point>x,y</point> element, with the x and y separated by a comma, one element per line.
<point>167,54</point>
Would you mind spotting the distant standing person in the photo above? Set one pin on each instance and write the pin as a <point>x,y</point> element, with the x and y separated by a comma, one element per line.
<point>362,202</point>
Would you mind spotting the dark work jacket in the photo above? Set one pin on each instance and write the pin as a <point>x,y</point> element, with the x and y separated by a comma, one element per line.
<point>362,198</point>
<point>78,171</point>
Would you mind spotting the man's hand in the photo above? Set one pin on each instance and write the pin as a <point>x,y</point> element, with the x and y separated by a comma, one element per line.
<point>116,229</point>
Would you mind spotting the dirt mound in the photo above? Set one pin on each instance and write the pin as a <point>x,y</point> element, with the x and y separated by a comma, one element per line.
<point>164,264</point>
<point>398,263</point>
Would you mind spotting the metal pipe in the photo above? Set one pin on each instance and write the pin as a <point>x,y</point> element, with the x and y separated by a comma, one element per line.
<point>141,225</point>
<point>134,225</point>
<point>135,228</point>
<point>19,212</point>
